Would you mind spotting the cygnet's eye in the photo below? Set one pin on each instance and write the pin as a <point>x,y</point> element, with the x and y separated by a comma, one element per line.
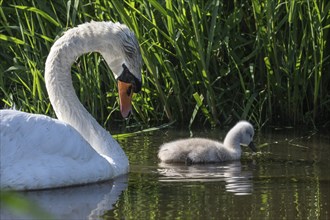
<point>250,134</point>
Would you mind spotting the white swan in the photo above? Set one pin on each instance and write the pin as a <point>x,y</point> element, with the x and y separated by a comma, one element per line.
<point>201,150</point>
<point>40,152</point>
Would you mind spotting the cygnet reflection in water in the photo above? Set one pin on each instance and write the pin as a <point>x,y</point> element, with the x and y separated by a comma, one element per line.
<point>237,180</point>
<point>202,150</point>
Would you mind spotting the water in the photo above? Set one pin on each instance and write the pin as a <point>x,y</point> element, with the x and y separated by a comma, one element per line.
<point>289,179</point>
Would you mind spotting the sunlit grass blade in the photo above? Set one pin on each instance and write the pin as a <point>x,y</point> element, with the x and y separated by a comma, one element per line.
<point>264,61</point>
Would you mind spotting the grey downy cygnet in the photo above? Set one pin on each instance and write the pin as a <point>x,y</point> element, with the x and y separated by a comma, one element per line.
<point>202,150</point>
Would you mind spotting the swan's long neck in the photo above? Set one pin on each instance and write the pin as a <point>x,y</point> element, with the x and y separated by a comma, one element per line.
<point>62,95</point>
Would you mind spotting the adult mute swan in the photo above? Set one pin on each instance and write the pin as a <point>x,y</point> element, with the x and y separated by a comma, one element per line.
<point>202,150</point>
<point>39,152</point>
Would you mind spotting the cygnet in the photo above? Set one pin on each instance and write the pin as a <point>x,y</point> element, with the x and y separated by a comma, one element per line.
<point>202,150</point>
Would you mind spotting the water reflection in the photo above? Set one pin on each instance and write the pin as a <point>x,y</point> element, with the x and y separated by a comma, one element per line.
<point>83,202</point>
<point>237,181</point>
<point>289,180</point>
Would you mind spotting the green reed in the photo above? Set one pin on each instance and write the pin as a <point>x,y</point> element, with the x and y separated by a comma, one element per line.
<point>208,62</point>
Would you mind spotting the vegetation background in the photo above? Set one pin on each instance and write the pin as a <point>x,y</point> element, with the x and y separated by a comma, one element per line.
<point>205,62</point>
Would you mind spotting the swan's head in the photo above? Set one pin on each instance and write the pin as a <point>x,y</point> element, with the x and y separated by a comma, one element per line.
<point>122,54</point>
<point>127,84</point>
<point>246,133</point>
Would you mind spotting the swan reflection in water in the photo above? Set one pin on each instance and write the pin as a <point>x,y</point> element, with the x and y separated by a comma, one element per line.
<point>237,180</point>
<point>80,202</point>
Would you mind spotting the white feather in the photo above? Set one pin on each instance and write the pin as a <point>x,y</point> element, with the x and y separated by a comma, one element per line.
<point>39,152</point>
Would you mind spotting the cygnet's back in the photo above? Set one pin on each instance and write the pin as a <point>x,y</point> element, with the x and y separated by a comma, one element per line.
<point>202,150</point>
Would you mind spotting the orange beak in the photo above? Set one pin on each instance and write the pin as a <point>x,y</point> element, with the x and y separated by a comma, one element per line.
<point>125,91</point>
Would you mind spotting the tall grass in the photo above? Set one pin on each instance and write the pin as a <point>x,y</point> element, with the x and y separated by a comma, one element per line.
<point>205,62</point>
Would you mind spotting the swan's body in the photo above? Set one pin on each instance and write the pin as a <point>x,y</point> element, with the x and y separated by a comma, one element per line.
<point>202,150</point>
<point>39,152</point>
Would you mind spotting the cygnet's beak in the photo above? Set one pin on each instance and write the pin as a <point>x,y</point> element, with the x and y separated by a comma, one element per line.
<point>252,147</point>
<point>125,91</point>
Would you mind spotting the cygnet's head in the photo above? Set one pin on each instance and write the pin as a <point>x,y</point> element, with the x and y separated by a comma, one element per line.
<point>246,133</point>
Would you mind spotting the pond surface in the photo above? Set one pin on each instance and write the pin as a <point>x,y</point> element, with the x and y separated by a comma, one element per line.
<point>288,179</point>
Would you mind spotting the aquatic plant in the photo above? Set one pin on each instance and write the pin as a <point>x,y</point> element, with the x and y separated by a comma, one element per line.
<point>205,62</point>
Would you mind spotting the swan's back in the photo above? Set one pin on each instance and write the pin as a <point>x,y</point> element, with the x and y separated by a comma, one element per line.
<point>47,159</point>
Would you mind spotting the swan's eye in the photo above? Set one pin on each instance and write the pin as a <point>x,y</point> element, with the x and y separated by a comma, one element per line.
<point>129,90</point>
<point>128,77</point>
